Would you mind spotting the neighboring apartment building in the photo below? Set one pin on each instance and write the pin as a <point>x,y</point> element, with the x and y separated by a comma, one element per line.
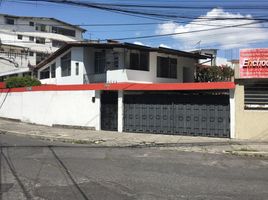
<point>83,62</point>
<point>26,41</point>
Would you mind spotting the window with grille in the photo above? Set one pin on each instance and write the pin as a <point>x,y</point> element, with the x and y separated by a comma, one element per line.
<point>10,21</point>
<point>139,60</point>
<point>63,31</point>
<point>256,96</point>
<point>100,60</point>
<point>166,67</point>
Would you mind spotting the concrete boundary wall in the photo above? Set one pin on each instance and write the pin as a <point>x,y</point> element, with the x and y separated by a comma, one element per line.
<point>249,124</point>
<point>80,105</point>
<point>73,108</point>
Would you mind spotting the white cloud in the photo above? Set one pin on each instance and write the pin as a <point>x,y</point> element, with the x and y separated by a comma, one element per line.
<point>165,46</point>
<point>231,37</point>
<point>138,43</point>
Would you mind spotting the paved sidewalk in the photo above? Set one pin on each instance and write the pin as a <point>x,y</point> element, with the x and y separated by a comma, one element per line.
<point>115,139</point>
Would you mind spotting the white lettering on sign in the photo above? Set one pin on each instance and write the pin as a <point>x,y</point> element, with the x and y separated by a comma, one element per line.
<point>255,63</point>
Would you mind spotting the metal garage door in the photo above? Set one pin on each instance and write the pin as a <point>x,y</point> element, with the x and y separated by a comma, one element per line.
<point>199,114</point>
<point>109,111</point>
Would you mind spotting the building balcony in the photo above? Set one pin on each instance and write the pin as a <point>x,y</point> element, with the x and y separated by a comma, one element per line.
<point>94,78</point>
<point>127,75</point>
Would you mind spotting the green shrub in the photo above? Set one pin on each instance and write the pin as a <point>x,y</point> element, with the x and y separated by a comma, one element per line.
<point>16,82</point>
<point>213,73</point>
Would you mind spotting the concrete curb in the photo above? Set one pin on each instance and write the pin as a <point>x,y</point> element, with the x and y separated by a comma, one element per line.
<point>186,147</point>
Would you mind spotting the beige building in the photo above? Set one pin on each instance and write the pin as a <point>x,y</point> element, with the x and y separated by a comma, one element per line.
<point>251,95</point>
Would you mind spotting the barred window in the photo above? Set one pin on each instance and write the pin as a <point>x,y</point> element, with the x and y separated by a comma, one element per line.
<point>256,96</point>
<point>139,60</point>
<point>166,67</point>
<point>100,61</point>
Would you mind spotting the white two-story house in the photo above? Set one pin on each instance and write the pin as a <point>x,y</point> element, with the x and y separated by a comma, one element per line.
<point>83,63</point>
<point>26,41</point>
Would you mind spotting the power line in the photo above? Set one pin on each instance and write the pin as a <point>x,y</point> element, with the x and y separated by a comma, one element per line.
<point>122,10</point>
<point>180,33</point>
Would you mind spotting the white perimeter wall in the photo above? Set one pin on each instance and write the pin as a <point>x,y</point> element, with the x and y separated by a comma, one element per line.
<point>73,108</point>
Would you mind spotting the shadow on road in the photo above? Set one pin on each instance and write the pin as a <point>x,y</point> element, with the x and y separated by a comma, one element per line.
<point>4,157</point>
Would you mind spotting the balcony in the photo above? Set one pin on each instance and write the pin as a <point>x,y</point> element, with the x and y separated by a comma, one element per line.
<point>94,78</point>
<point>127,75</point>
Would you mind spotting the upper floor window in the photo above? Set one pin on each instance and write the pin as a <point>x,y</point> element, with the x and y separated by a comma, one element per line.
<point>63,31</point>
<point>100,62</point>
<point>20,37</point>
<point>40,57</point>
<point>31,38</point>
<point>166,67</point>
<point>66,65</point>
<point>77,68</point>
<point>139,60</point>
<point>31,53</point>
<point>57,43</point>
<point>40,40</point>
<point>10,21</point>
<point>116,60</point>
<point>31,23</point>
<point>41,27</point>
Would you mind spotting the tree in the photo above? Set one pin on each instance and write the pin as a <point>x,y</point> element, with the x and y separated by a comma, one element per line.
<point>213,73</point>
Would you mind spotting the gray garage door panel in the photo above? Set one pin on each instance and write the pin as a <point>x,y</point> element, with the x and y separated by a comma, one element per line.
<point>207,115</point>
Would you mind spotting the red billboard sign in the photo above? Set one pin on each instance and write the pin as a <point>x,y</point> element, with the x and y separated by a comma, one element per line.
<point>253,63</point>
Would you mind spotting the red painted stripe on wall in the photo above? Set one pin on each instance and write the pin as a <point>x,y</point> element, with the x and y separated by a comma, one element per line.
<point>129,87</point>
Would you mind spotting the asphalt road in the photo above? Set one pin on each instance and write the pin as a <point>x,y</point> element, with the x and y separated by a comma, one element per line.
<point>33,169</point>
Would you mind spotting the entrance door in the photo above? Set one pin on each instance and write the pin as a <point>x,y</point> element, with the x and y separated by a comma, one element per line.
<point>109,104</point>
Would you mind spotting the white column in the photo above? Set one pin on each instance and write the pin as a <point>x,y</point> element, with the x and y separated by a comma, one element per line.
<point>232,112</point>
<point>120,111</point>
<point>98,104</point>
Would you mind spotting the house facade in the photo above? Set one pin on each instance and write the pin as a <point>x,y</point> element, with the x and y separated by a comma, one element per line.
<point>124,87</point>
<point>84,63</point>
<point>26,41</point>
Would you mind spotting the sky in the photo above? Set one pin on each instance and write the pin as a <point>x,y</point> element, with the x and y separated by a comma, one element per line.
<point>252,34</point>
